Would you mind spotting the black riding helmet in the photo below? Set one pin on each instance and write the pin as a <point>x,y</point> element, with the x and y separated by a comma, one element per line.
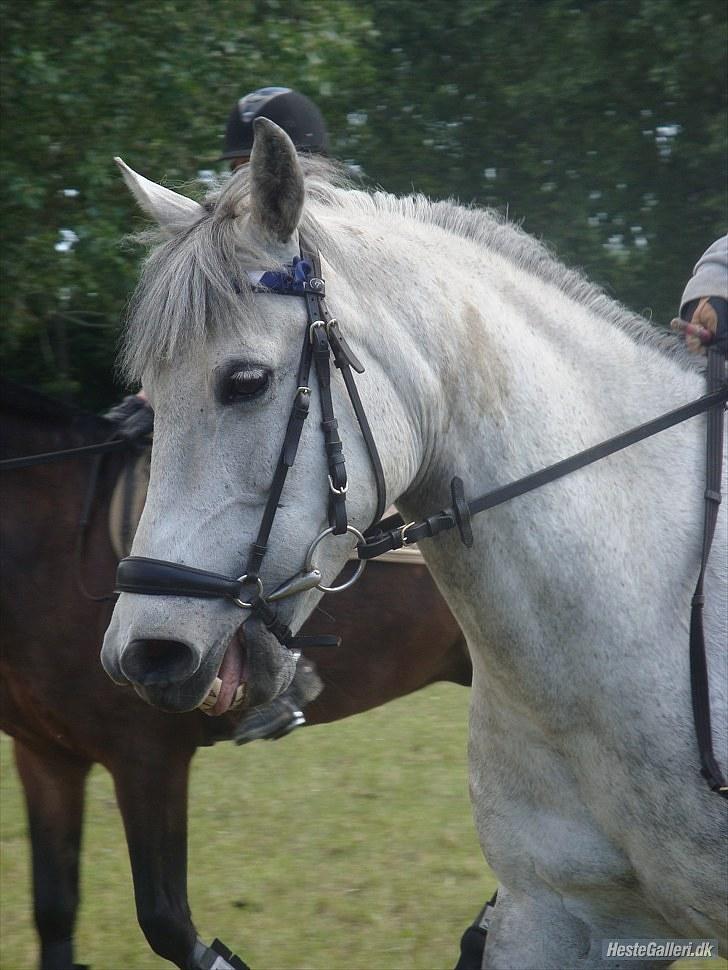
<point>293,112</point>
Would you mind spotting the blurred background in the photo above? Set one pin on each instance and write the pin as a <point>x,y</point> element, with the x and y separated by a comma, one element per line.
<point>600,125</point>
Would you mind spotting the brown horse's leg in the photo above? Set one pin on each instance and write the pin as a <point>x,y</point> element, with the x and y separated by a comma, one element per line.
<point>53,782</point>
<point>152,797</point>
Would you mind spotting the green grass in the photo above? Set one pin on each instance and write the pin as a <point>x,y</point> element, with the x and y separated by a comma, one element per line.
<point>347,845</point>
<point>344,846</point>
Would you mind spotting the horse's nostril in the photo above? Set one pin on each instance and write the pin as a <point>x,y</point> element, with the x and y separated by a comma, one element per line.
<point>160,662</point>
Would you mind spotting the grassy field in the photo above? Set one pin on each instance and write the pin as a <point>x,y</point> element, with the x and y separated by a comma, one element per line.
<point>348,845</point>
<point>344,846</point>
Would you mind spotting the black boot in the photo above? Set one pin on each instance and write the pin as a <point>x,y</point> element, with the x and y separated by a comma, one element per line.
<point>285,713</point>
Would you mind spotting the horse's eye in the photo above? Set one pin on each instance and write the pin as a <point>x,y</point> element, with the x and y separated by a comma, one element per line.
<point>244,384</point>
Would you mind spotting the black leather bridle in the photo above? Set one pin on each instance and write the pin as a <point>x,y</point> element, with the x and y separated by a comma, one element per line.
<point>322,340</point>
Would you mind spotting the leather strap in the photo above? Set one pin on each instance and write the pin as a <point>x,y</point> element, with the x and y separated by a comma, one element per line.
<point>379,540</point>
<point>699,686</point>
<point>330,427</point>
<point>287,457</point>
<point>344,365</point>
<point>392,533</point>
<point>156,577</point>
<point>46,458</point>
<point>345,360</point>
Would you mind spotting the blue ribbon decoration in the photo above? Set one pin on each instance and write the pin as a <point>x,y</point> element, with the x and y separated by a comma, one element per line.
<point>289,280</point>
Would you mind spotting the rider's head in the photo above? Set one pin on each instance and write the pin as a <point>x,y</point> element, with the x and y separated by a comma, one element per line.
<point>293,112</point>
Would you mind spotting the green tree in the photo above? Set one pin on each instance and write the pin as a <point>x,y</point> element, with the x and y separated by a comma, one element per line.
<point>600,124</point>
<point>153,83</point>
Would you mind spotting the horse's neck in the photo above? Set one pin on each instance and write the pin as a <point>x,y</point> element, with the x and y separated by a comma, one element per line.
<point>525,376</point>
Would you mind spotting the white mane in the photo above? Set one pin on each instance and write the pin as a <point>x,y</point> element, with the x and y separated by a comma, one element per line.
<point>192,282</point>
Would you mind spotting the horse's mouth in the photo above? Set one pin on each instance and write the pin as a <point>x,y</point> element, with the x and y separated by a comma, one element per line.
<point>254,669</point>
<point>229,690</point>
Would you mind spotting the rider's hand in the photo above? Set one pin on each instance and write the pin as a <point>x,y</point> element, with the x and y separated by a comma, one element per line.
<point>700,330</point>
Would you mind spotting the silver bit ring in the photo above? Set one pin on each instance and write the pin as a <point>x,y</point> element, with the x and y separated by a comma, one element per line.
<point>357,572</point>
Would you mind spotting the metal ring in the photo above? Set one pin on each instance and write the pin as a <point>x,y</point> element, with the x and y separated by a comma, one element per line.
<point>403,532</point>
<point>303,389</point>
<point>357,573</point>
<point>314,326</point>
<point>241,603</point>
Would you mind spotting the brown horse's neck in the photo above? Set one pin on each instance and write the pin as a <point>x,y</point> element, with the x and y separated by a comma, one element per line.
<point>32,423</point>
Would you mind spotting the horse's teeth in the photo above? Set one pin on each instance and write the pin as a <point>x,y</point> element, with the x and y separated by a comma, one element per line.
<point>239,696</point>
<point>211,699</point>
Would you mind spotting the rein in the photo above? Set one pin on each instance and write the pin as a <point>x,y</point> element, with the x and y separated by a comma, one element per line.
<point>46,458</point>
<point>392,533</point>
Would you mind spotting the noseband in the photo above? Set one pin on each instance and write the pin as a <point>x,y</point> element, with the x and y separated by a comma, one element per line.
<point>322,340</point>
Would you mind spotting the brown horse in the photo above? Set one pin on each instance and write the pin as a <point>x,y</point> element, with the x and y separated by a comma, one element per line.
<point>64,714</point>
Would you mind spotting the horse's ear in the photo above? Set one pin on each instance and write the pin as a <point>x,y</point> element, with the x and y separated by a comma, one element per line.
<point>276,182</point>
<point>170,209</point>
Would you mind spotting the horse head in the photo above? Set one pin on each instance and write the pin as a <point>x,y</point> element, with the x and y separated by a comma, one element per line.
<point>220,357</point>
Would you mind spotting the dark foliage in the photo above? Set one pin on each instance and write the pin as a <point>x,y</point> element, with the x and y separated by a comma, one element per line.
<point>601,124</point>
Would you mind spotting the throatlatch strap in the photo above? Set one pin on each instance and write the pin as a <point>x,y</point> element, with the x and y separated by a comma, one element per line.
<point>699,684</point>
<point>345,367</point>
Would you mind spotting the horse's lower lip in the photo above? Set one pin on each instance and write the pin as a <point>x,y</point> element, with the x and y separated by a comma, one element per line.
<point>170,700</point>
<point>229,689</point>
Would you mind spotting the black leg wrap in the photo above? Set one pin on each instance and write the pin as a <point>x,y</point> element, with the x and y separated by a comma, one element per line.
<point>462,511</point>
<point>235,962</point>
<point>215,957</point>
